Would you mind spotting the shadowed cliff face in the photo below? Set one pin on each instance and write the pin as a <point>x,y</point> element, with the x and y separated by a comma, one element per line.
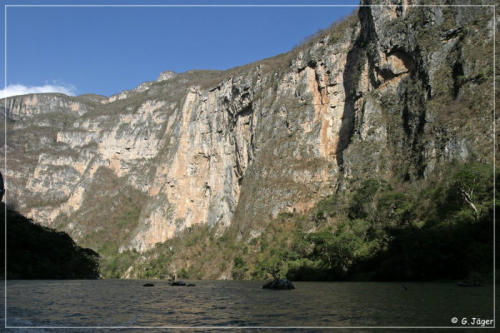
<point>391,91</point>
<point>37,252</point>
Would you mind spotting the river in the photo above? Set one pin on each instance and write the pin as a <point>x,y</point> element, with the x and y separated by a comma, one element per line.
<point>126,303</point>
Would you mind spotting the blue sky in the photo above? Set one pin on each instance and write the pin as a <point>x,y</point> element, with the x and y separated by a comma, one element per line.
<point>104,50</point>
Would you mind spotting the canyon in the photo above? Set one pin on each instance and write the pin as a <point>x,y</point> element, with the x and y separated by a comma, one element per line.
<point>391,92</point>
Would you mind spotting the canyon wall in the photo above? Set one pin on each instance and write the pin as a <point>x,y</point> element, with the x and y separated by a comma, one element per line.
<point>390,91</point>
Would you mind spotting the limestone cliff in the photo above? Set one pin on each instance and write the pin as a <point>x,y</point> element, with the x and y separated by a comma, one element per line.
<point>391,91</point>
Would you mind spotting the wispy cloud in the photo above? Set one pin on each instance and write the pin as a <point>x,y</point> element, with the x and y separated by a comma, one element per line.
<point>19,89</point>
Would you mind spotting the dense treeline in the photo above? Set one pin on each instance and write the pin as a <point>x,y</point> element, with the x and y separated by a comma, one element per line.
<point>437,228</point>
<point>440,229</point>
<point>37,252</point>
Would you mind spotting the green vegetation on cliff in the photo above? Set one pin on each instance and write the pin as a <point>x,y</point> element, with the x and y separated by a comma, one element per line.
<point>121,215</point>
<point>440,228</point>
<point>37,252</point>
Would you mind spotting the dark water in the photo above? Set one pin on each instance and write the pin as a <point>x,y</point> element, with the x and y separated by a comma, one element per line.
<point>127,303</point>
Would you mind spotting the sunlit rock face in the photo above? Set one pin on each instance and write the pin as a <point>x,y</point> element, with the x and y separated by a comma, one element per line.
<point>364,98</point>
<point>167,75</point>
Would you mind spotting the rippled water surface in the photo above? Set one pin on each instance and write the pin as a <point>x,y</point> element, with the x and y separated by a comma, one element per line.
<point>241,303</point>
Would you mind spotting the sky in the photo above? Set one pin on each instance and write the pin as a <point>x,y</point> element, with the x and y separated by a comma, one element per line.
<point>104,50</point>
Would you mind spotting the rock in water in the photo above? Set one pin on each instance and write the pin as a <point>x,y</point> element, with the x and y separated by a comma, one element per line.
<point>148,285</point>
<point>279,284</point>
<point>177,283</point>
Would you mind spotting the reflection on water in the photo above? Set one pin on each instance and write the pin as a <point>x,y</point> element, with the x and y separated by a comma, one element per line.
<point>241,303</point>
